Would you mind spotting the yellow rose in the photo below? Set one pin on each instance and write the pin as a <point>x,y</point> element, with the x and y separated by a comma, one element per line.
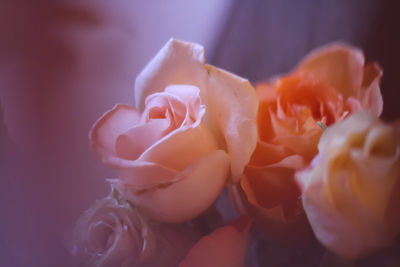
<point>351,190</point>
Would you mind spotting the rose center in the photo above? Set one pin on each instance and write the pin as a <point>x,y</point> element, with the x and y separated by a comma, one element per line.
<point>303,96</point>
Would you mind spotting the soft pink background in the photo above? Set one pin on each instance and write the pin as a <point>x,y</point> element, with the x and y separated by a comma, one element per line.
<point>62,64</point>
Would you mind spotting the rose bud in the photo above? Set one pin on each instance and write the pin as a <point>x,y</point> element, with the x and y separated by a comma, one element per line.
<point>113,233</point>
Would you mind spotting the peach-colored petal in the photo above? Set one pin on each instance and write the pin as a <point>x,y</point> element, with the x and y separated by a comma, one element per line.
<point>232,108</point>
<point>371,97</point>
<point>196,189</point>
<point>267,96</point>
<point>140,175</point>
<point>339,65</point>
<point>178,62</point>
<point>106,130</point>
<point>132,143</point>
<point>353,106</point>
<point>178,106</point>
<point>266,153</point>
<point>273,222</point>
<point>304,145</point>
<point>181,148</point>
<point>273,212</point>
<point>271,195</point>
<point>270,186</point>
<point>225,247</point>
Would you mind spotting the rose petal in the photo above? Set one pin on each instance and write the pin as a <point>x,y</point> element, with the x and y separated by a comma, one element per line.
<point>181,148</point>
<point>358,124</point>
<point>177,62</point>
<point>339,65</point>
<point>267,96</point>
<point>140,175</point>
<point>353,106</point>
<point>165,105</point>
<point>196,189</point>
<point>274,222</point>
<point>230,100</point>
<point>304,145</point>
<point>106,130</point>
<point>272,185</point>
<point>191,96</point>
<point>232,106</point>
<point>225,247</point>
<point>131,144</point>
<point>266,154</point>
<point>371,97</point>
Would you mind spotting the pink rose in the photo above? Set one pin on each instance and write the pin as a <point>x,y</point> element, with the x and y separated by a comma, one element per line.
<point>193,126</point>
<point>351,190</point>
<point>112,233</point>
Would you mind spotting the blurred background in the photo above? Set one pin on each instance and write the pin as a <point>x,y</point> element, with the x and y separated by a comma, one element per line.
<point>63,63</point>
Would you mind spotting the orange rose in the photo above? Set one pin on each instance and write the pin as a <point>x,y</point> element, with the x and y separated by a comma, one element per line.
<point>328,85</point>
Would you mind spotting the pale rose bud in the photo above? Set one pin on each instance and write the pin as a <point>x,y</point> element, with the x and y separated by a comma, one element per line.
<point>351,190</point>
<point>113,233</point>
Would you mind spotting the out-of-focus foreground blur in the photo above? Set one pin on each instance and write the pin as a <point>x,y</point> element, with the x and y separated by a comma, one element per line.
<point>63,63</point>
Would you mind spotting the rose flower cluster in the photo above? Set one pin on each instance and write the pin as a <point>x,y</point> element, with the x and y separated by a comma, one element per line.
<point>304,149</point>
<point>192,132</point>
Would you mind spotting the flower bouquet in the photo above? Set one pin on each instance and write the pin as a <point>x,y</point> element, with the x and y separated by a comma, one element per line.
<point>300,157</point>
